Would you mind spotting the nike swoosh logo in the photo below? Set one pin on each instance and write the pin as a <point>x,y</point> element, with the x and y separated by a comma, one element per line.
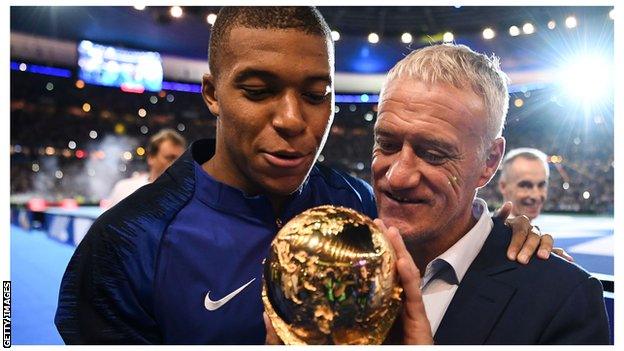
<point>214,305</point>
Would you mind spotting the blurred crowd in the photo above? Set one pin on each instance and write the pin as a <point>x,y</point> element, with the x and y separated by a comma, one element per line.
<point>70,140</point>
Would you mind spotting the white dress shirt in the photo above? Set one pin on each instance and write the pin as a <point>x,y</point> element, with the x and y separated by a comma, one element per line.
<point>444,273</point>
<point>127,186</point>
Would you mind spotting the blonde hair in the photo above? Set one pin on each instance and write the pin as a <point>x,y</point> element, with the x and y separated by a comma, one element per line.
<point>166,134</point>
<point>460,67</point>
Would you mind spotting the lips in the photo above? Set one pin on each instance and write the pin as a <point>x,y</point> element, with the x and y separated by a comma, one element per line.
<point>404,200</point>
<point>285,158</point>
<point>531,204</point>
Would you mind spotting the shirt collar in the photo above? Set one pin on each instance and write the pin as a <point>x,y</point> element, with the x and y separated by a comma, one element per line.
<point>465,250</point>
<point>223,197</point>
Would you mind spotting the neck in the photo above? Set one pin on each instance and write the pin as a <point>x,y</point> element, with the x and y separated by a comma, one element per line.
<point>152,176</point>
<point>424,252</point>
<point>215,168</point>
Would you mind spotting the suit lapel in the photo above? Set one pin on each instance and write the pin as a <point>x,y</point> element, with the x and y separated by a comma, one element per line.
<point>480,298</point>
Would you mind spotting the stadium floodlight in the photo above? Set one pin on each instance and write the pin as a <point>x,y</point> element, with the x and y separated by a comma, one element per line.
<point>448,37</point>
<point>586,79</point>
<point>176,11</point>
<point>406,38</point>
<point>612,14</point>
<point>514,31</point>
<point>373,38</point>
<point>571,22</point>
<point>211,18</point>
<point>488,33</point>
<point>140,7</point>
<point>552,24</point>
<point>335,35</point>
<point>528,28</point>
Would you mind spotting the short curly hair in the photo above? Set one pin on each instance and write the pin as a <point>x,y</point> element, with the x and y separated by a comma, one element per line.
<point>304,18</point>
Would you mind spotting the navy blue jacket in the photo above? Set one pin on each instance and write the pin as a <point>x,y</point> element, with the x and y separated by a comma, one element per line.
<point>503,302</point>
<point>143,271</point>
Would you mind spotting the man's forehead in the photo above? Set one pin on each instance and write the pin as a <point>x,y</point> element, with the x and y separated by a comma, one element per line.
<point>253,44</point>
<point>414,93</point>
<point>410,101</point>
<point>522,167</point>
<point>241,37</point>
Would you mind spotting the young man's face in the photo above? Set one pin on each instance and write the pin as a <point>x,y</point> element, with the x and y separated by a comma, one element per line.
<point>526,186</point>
<point>273,97</point>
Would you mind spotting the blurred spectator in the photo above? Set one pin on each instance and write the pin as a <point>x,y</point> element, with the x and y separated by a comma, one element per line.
<point>523,180</point>
<point>164,148</point>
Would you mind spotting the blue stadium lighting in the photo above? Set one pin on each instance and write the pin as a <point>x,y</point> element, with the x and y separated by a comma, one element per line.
<point>49,71</point>
<point>363,98</point>
<point>184,87</point>
<point>176,86</point>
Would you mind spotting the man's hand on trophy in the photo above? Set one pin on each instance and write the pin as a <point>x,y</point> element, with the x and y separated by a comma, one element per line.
<point>271,335</point>
<point>526,239</point>
<point>416,329</point>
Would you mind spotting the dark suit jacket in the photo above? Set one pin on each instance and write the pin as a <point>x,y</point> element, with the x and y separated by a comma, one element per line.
<point>503,302</point>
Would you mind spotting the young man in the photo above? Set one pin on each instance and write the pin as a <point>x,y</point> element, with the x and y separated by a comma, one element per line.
<point>180,260</point>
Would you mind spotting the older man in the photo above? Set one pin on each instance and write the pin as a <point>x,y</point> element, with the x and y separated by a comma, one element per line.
<point>438,140</point>
<point>524,181</point>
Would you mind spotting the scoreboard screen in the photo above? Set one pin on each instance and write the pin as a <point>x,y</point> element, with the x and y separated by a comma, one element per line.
<point>130,70</point>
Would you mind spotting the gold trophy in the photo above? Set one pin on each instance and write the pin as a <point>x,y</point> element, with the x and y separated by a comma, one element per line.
<point>330,278</point>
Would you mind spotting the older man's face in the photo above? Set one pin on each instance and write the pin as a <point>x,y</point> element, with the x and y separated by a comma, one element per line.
<point>526,186</point>
<point>426,161</point>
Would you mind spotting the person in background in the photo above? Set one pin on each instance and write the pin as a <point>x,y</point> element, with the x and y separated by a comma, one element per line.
<point>524,181</point>
<point>163,148</point>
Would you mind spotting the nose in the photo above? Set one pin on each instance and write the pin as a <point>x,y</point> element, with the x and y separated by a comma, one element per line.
<point>403,173</point>
<point>541,193</point>
<point>537,194</point>
<point>288,120</point>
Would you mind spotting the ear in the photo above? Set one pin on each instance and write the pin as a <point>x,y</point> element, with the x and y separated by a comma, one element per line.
<point>209,94</point>
<point>494,157</point>
<point>501,186</point>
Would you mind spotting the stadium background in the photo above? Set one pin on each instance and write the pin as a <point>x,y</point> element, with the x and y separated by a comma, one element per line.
<point>71,141</point>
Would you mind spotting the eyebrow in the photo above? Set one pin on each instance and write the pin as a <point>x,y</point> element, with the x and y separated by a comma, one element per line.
<point>269,76</point>
<point>423,140</point>
<point>254,73</point>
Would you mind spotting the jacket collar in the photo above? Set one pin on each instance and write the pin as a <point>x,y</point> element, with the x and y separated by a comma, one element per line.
<point>231,200</point>
<point>481,297</point>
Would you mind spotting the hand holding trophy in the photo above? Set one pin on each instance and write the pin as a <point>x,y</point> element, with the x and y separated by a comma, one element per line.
<point>330,278</point>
